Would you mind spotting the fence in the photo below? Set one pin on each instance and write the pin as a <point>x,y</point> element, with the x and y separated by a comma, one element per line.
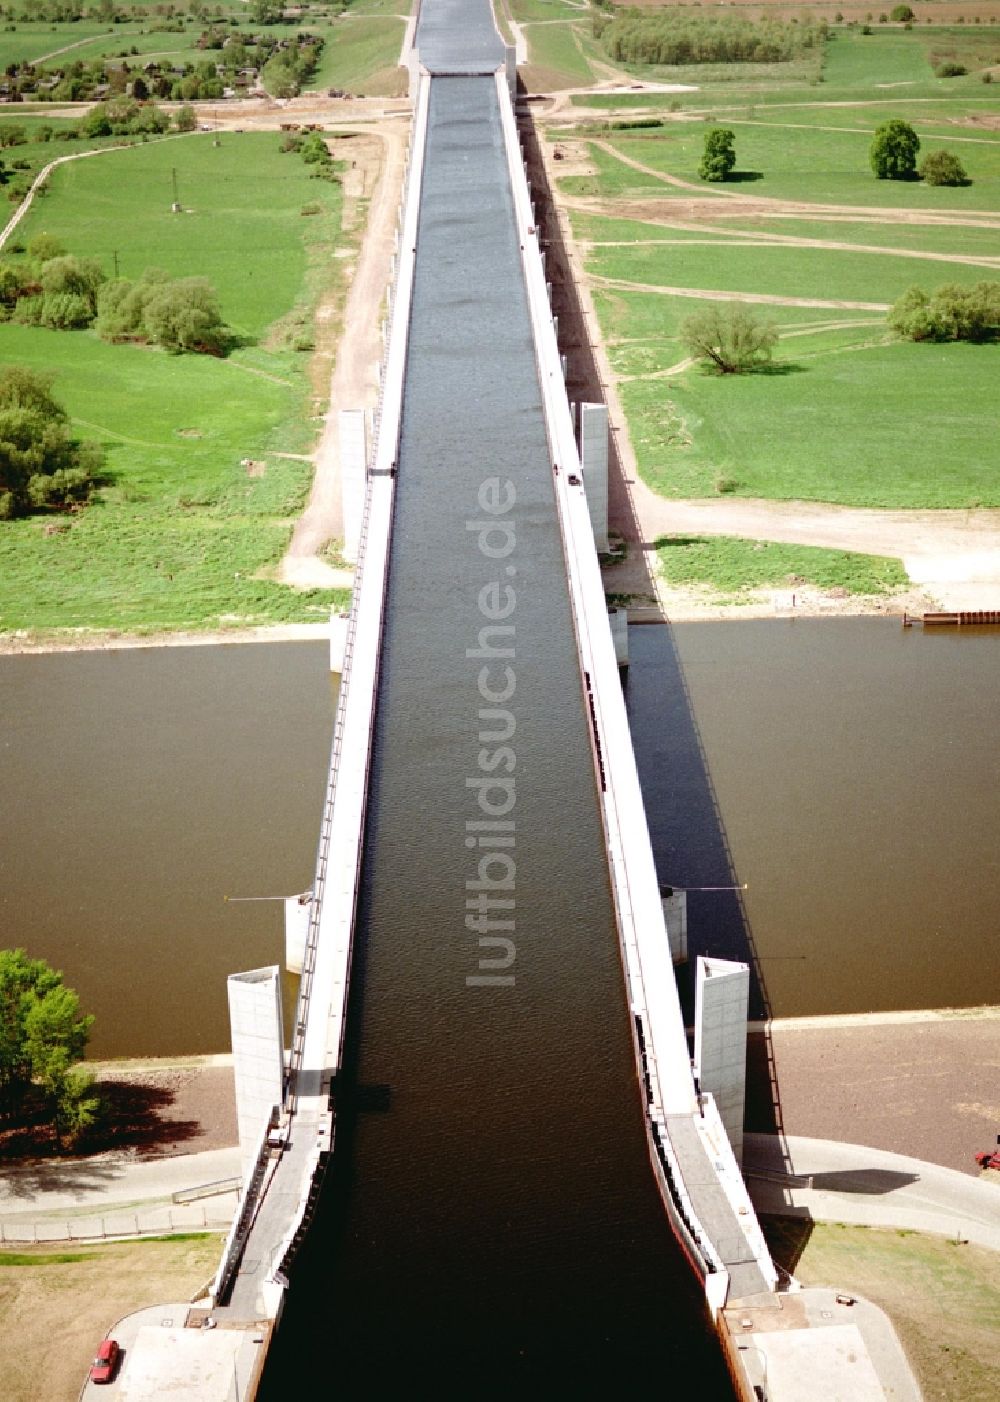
<point>154,1220</point>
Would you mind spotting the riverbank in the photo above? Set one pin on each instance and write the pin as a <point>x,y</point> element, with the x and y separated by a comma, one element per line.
<point>96,640</point>
<point>921,1083</point>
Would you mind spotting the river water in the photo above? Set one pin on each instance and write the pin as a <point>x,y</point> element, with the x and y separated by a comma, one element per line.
<point>139,788</point>
<point>847,769</point>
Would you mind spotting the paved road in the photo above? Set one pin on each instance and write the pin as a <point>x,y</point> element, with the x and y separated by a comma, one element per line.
<point>829,1181</point>
<point>113,1195</point>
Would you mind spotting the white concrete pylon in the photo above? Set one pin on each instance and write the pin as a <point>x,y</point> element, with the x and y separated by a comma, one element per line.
<point>675,913</point>
<point>255,1024</point>
<point>594,463</point>
<point>722,995</point>
<point>297,912</point>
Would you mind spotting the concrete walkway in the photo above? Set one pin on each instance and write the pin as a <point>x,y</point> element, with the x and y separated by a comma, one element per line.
<point>834,1182</point>
<point>114,1195</point>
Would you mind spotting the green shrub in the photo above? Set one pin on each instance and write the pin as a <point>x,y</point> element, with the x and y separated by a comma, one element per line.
<point>950,70</point>
<point>942,168</point>
<point>949,313</point>
<point>40,465</point>
<point>893,152</point>
<point>65,311</point>
<point>719,158</point>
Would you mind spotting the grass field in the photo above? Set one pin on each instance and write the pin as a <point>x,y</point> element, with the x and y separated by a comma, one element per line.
<point>182,536</point>
<point>360,45</point>
<point>812,163</point>
<point>733,565</point>
<point>848,414</point>
<point>781,270</point>
<point>843,426</point>
<point>57,1304</point>
<point>943,1299</point>
<point>361,55</point>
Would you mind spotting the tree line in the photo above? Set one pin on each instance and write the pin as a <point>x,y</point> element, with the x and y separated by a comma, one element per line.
<point>680,37</point>
<point>62,292</point>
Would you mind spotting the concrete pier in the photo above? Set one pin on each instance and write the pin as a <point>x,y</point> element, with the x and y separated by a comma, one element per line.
<point>594,465</point>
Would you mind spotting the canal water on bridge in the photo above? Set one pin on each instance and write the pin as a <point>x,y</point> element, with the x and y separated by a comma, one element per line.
<point>491,1224</point>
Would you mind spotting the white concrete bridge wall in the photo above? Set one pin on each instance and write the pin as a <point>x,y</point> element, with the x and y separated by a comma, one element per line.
<point>645,946</point>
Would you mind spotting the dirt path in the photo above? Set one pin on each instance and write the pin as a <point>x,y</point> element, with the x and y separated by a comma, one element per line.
<point>765,205</point>
<point>767,299</point>
<point>760,239</point>
<point>354,383</point>
<point>905,534</point>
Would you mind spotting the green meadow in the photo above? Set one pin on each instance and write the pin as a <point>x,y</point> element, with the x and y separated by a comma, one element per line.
<point>846,413</point>
<point>362,54</point>
<point>732,565</point>
<point>845,418</point>
<point>181,535</point>
<point>363,44</point>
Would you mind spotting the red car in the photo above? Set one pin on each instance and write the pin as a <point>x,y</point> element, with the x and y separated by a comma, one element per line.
<point>102,1370</point>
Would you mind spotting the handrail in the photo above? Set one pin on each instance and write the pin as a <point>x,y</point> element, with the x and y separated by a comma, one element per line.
<point>380,450</point>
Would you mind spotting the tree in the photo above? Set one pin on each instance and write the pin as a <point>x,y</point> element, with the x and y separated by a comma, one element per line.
<point>96,122</point>
<point>185,118</point>
<point>78,277</point>
<point>720,154</point>
<point>901,13</point>
<point>40,465</point>
<point>942,168</point>
<point>184,315</point>
<point>732,337</point>
<point>43,247</point>
<point>949,313</point>
<point>42,1035</point>
<point>894,148</point>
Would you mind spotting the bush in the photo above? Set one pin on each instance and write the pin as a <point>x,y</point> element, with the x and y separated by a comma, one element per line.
<point>76,277</point>
<point>184,316</point>
<point>949,313</point>
<point>40,465</point>
<point>893,152</point>
<point>950,70</point>
<point>732,337</point>
<point>185,118</point>
<point>719,158</point>
<point>65,311</point>
<point>180,315</point>
<point>43,247</point>
<point>942,168</point>
<point>900,14</point>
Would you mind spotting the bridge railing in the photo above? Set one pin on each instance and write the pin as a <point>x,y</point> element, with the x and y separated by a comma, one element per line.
<point>382,465</point>
<point>658,1035</point>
